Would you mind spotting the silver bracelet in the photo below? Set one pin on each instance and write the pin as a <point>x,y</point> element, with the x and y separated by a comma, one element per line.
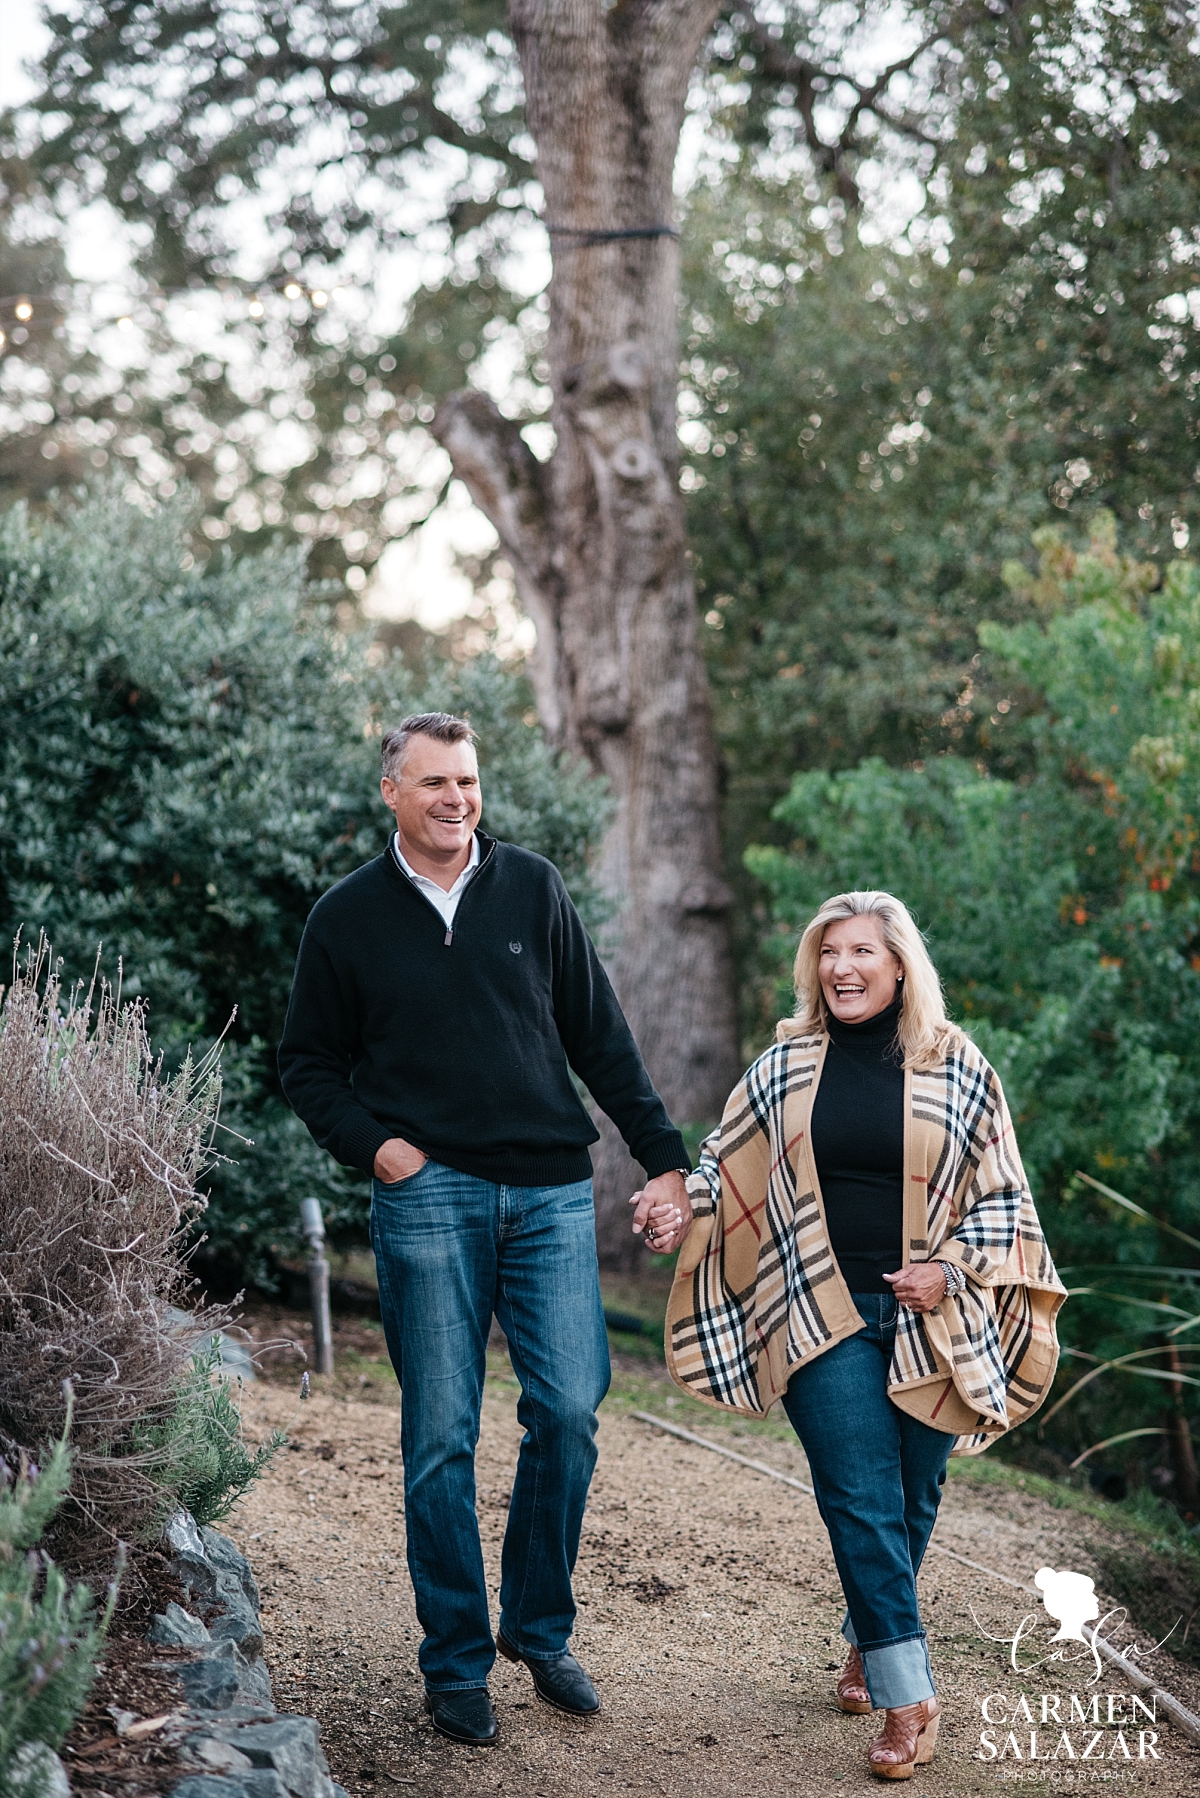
<point>956,1280</point>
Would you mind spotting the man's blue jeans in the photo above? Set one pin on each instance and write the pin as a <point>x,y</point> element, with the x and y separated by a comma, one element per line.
<point>451,1250</point>
<point>878,1476</point>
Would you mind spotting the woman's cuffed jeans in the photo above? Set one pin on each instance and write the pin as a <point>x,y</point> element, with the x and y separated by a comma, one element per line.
<point>878,1476</point>
<point>451,1250</point>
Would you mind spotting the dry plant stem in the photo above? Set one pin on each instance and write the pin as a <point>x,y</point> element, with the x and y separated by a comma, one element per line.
<point>99,1156</point>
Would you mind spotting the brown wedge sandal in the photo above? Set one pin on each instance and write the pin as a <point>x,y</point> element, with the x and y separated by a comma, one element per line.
<point>852,1694</point>
<point>907,1740</point>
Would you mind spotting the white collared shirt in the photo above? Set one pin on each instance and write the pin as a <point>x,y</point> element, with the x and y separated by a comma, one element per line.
<point>445,901</point>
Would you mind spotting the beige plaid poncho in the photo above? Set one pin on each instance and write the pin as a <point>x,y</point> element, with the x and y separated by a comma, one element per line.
<point>758,1293</point>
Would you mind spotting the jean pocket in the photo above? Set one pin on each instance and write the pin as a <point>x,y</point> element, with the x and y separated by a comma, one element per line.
<point>391,1187</point>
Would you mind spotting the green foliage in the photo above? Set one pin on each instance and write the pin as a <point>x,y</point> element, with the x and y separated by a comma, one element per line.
<point>844,524</point>
<point>331,178</point>
<point>871,430</point>
<point>49,1629</point>
<point>1073,188</point>
<point>232,87</point>
<point>188,759</point>
<point>201,1460</point>
<point>1063,910</point>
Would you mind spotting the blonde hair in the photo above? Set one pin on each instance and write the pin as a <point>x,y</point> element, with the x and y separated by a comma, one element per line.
<point>925,1032</point>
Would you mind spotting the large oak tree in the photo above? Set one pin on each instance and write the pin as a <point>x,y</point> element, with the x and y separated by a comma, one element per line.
<point>595,535</point>
<point>188,113</point>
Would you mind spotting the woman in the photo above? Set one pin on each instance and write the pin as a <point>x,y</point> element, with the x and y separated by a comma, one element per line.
<point>864,1247</point>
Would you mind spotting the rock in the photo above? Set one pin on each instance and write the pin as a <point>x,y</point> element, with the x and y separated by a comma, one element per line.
<point>254,1684</point>
<point>235,1359</point>
<point>190,1563</point>
<point>235,1363</point>
<point>178,1628</point>
<point>213,1569</point>
<point>241,1747</point>
<point>183,1536</point>
<point>210,1684</point>
<point>226,1557</point>
<point>240,1785</point>
<point>243,1713</point>
<point>218,1757</point>
<point>288,1745</point>
<point>239,1623</point>
<point>37,1772</point>
<point>223,1678</point>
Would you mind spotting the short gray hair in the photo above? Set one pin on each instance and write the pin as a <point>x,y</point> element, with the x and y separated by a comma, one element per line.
<point>443,727</point>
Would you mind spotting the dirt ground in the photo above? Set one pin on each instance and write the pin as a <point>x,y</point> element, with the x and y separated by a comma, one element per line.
<point>708,1613</point>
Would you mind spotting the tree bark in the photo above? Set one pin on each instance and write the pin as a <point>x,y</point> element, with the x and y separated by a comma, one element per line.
<point>596,535</point>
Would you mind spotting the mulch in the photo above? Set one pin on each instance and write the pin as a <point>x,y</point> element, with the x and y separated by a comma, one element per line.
<point>99,1761</point>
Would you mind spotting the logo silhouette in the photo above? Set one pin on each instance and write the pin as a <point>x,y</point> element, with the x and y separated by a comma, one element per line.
<point>1070,1598</point>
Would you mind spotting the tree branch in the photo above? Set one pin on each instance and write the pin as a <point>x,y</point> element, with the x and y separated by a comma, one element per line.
<point>502,475</point>
<point>508,484</point>
<point>784,66</point>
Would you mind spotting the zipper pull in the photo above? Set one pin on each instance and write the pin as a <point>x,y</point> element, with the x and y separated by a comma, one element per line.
<point>449,937</point>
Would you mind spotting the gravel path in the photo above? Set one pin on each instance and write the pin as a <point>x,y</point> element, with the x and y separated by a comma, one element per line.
<point>714,1648</point>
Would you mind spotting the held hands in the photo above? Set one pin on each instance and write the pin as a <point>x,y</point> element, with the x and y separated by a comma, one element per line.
<point>664,1213</point>
<point>398,1160</point>
<point>921,1285</point>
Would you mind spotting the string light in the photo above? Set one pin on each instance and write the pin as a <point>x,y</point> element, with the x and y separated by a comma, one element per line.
<point>256,307</point>
<point>292,291</point>
<point>320,298</point>
<point>24,310</point>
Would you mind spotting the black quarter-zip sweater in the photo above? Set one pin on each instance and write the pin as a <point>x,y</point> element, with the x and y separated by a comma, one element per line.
<point>462,1041</point>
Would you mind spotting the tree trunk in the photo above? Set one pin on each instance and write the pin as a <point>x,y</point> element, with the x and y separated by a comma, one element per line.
<point>596,535</point>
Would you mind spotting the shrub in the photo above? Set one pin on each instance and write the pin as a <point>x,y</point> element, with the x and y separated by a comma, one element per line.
<point>99,1154</point>
<point>189,757</point>
<point>49,1629</point>
<point>201,1459</point>
<point>1063,910</point>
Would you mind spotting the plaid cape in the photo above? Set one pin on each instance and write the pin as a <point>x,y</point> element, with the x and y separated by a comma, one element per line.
<point>757,1290</point>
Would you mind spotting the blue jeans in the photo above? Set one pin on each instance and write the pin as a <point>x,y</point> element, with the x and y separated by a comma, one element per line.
<point>878,1476</point>
<point>451,1250</point>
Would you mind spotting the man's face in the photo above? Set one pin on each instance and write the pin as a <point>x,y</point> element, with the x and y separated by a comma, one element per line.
<point>435,798</point>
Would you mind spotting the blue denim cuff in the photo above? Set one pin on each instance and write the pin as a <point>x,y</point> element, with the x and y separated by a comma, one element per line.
<point>848,1631</point>
<point>898,1673</point>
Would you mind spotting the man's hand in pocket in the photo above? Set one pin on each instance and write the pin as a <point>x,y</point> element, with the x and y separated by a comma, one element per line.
<point>398,1160</point>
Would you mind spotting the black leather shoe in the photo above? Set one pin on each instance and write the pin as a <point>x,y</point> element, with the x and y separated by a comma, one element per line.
<point>464,1716</point>
<point>562,1682</point>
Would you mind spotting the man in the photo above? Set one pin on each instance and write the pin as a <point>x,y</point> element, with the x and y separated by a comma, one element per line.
<point>443,994</point>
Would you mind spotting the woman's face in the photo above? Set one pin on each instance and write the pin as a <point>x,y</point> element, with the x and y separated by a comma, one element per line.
<point>858,971</point>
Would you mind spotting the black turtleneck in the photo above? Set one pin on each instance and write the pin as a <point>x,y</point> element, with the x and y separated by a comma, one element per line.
<point>858,1143</point>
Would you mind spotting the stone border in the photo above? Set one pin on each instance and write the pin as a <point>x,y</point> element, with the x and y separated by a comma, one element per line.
<point>232,1741</point>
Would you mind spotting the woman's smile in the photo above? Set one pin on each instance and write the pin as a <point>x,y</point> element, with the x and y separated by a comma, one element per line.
<point>857,970</point>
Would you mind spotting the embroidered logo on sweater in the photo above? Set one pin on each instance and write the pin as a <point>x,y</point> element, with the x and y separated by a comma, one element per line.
<point>515,947</point>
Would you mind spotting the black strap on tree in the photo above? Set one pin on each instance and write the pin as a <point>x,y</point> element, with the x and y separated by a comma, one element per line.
<point>586,237</point>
